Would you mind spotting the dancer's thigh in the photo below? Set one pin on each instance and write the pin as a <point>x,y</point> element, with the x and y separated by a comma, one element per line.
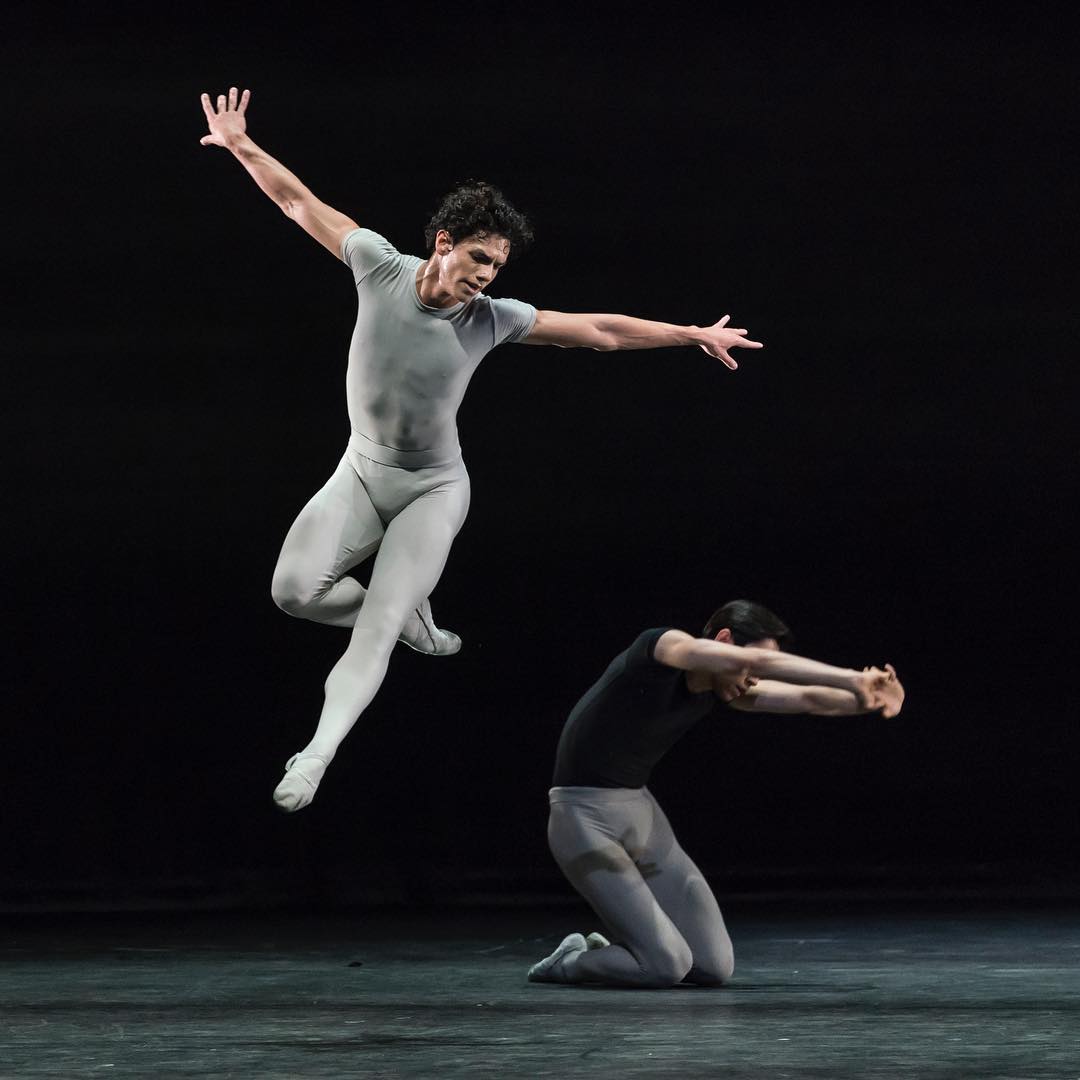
<point>599,867</point>
<point>335,531</point>
<point>682,891</point>
<point>415,548</point>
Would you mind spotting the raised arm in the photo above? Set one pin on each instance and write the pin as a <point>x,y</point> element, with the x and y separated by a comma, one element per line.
<point>680,650</point>
<point>609,332</point>
<point>228,129</point>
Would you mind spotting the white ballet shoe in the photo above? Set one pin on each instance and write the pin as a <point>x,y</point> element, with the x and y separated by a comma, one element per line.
<point>421,633</point>
<point>300,782</point>
<point>596,941</point>
<point>550,968</point>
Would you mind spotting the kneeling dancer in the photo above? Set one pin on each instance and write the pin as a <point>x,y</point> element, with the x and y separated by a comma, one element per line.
<point>607,832</point>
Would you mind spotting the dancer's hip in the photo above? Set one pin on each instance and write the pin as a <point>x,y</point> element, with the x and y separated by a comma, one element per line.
<point>403,459</point>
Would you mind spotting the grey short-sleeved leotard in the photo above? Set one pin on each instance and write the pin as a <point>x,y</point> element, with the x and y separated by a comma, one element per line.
<point>410,364</point>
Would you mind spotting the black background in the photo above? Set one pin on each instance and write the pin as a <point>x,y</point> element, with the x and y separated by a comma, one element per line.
<point>883,199</point>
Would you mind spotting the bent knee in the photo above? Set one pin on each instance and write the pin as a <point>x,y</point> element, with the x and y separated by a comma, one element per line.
<point>713,974</point>
<point>717,976</point>
<point>667,968</point>
<point>290,594</point>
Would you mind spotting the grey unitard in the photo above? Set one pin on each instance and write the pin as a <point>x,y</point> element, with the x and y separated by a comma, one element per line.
<point>616,847</point>
<point>410,518</point>
<point>401,489</point>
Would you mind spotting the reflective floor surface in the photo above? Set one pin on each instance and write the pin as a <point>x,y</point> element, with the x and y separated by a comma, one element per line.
<point>831,992</point>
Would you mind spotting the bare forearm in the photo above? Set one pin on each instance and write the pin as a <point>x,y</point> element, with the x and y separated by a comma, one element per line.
<point>626,332</point>
<point>786,667</point>
<point>272,177</point>
<point>771,696</point>
<point>829,701</point>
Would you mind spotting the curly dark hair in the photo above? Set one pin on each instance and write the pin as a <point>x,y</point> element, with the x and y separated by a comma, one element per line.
<point>476,208</point>
<point>747,621</point>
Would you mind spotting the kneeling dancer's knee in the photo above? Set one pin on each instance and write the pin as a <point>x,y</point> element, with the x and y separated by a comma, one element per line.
<point>669,967</point>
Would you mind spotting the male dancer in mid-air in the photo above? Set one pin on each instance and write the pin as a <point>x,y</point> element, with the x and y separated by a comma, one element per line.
<point>607,832</point>
<point>401,490</point>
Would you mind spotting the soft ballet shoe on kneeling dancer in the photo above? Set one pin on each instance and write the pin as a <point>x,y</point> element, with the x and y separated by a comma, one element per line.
<point>421,633</point>
<point>300,782</point>
<point>550,969</point>
<point>596,941</point>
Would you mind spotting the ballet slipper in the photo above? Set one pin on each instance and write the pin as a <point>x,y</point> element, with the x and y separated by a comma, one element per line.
<point>596,941</point>
<point>550,969</point>
<point>300,782</point>
<point>421,633</point>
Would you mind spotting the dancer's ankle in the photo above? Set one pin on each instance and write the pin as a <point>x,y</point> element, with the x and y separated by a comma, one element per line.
<point>320,750</point>
<point>566,969</point>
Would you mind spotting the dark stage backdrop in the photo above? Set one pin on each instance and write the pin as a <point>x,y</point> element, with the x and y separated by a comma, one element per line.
<point>883,203</point>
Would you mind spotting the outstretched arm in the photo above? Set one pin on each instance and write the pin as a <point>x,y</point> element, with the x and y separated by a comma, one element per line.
<point>609,332</point>
<point>228,129</point>
<point>769,696</point>
<point>734,662</point>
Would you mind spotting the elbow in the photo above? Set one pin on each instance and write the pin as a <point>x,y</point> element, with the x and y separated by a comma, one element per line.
<point>601,335</point>
<point>292,203</point>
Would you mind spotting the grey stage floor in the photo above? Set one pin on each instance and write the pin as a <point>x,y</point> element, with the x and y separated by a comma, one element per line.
<point>826,992</point>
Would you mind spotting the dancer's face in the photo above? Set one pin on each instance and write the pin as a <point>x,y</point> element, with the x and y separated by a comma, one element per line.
<point>470,265</point>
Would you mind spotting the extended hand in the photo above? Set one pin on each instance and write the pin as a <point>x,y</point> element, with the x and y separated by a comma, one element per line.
<point>718,339</point>
<point>228,121</point>
<point>877,689</point>
<point>891,695</point>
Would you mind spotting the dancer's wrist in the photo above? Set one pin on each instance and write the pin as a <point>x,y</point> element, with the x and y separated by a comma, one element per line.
<point>694,335</point>
<point>239,144</point>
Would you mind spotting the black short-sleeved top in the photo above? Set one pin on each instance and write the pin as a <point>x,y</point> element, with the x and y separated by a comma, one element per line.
<point>628,720</point>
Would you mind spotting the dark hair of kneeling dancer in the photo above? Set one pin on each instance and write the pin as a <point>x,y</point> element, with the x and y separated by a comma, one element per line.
<point>607,832</point>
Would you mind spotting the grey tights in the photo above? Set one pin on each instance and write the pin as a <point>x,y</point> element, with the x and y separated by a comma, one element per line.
<point>616,847</point>
<point>409,516</point>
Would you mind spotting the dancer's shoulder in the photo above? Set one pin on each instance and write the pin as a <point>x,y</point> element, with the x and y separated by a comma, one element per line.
<point>642,653</point>
<point>364,249</point>
<point>509,320</point>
